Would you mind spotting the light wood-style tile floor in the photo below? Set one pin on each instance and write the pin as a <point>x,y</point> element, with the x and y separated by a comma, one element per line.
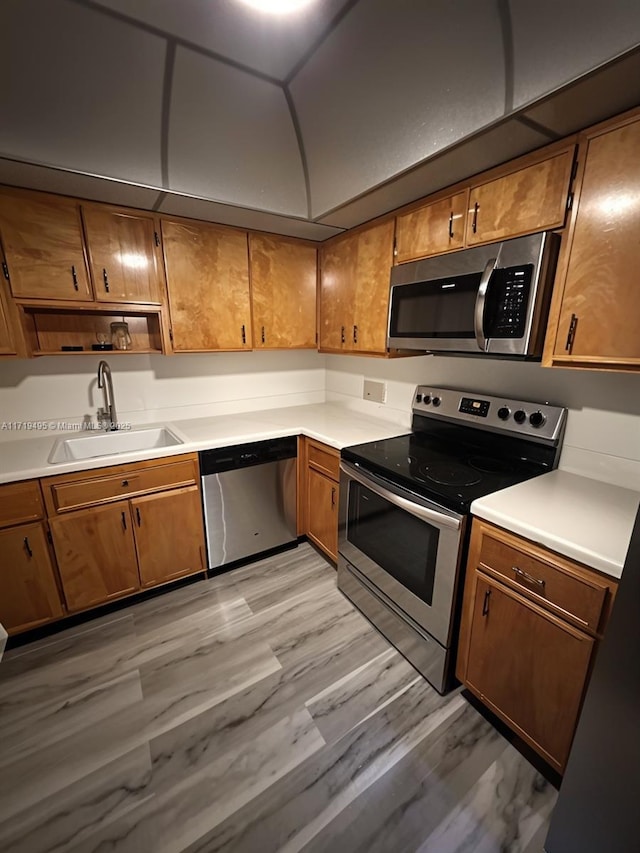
<point>254,712</point>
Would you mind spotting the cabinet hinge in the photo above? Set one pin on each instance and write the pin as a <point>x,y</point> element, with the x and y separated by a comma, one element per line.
<point>157,236</point>
<point>570,201</point>
<point>5,270</point>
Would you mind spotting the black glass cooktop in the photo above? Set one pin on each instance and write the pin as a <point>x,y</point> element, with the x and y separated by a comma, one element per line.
<point>451,464</point>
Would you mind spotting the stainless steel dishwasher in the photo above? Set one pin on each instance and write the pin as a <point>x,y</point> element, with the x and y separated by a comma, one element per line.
<point>249,498</point>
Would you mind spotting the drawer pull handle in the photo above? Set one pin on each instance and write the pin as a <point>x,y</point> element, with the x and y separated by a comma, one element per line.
<point>571,334</point>
<point>124,521</point>
<point>333,497</point>
<point>451,226</point>
<point>125,482</point>
<point>527,577</point>
<point>105,279</point>
<point>28,546</point>
<point>485,603</point>
<point>138,516</point>
<point>74,277</point>
<point>342,337</point>
<point>474,224</point>
<point>355,334</point>
<point>244,335</point>
<point>263,335</point>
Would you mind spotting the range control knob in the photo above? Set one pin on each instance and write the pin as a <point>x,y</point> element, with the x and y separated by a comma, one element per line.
<point>520,416</point>
<point>537,419</point>
<point>436,401</point>
<point>418,398</point>
<point>426,399</point>
<point>503,413</point>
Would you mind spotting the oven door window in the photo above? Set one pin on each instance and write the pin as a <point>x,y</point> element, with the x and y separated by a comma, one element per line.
<point>443,308</point>
<point>401,544</point>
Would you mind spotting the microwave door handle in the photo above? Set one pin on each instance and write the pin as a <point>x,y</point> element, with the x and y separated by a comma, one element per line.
<point>481,298</point>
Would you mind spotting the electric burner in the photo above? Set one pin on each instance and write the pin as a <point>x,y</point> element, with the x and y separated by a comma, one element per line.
<point>490,465</point>
<point>448,475</point>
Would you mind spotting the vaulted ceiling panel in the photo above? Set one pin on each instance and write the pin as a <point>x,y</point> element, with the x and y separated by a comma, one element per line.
<point>395,84</point>
<point>232,139</point>
<point>270,44</point>
<point>80,90</point>
<point>556,42</point>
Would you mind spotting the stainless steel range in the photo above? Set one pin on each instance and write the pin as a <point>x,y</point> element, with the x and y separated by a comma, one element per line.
<point>404,506</point>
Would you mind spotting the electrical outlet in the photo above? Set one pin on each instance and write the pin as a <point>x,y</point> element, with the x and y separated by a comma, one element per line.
<point>374,391</point>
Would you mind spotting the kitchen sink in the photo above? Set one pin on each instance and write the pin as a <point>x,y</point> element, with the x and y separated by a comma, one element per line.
<point>111,443</point>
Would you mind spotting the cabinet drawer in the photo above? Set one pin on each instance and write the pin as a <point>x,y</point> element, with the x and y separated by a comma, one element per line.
<point>324,459</point>
<point>572,596</point>
<point>73,494</point>
<point>20,502</point>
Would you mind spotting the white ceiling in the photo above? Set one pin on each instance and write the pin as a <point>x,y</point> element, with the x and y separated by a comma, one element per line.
<point>302,125</point>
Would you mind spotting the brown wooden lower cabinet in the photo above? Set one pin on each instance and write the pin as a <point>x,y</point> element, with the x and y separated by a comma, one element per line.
<point>168,534</point>
<point>323,512</point>
<point>530,626</point>
<point>28,592</point>
<point>319,487</point>
<point>96,554</point>
<point>120,529</point>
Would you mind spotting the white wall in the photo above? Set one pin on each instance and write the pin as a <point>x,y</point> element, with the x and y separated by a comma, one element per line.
<point>602,438</point>
<point>153,387</point>
<point>603,430</point>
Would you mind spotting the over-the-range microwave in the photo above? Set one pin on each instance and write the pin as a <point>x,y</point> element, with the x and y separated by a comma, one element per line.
<point>490,300</point>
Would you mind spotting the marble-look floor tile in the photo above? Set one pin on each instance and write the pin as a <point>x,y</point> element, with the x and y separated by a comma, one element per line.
<point>344,704</point>
<point>502,812</point>
<point>61,821</point>
<point>255,712</point>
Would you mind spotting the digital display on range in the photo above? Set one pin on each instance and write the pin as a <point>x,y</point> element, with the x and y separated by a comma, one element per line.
<point>469,406</point>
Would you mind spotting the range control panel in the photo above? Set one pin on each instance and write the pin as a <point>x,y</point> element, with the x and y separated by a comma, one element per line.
<point>538,421</point>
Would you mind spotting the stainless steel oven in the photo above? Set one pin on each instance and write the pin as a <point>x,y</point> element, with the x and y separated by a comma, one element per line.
<point>405,507</point>
<point>405,552</point>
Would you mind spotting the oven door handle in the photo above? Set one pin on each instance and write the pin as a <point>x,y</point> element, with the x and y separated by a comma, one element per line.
<point>423,512</point>
<point>481,298</point>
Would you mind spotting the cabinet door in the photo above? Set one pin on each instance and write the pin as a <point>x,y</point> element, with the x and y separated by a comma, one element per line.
<point>531,199</point>
<point>96,554</point>
<point>169,535</point>
<point>208,281</point>
<point>433,229</point>
<point>529,667</point>
<point>122,255</point>
<point>373,270</point>
<point>7,334</point>
<point>322,512</point>
<point>28,593</point>
<point>283,293</point>
<point>42,242</point>
<point>338,266</point>
<point>599,300</point>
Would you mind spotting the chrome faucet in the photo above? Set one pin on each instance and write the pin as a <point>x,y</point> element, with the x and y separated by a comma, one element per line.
<point>107,417</point>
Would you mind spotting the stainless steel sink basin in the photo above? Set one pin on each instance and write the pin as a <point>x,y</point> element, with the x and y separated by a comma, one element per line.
<point>111,443</point>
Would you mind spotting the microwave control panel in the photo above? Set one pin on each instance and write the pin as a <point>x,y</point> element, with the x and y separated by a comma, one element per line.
<point>508,302</point>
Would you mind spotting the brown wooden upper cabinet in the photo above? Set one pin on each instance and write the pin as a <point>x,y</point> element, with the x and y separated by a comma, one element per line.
<point>594,314</point>
<point>531,198</point>
<point>283,292</point>
<point>433,229</point>
<point>43,249</point>
<point>354,290</point>
<point>208,282</point>
<point>8,330</point>
<point>123,257</point>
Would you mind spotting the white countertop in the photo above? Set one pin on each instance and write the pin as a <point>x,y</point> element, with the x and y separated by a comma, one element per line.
<point>583,519</point>
<point>330,423</point>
